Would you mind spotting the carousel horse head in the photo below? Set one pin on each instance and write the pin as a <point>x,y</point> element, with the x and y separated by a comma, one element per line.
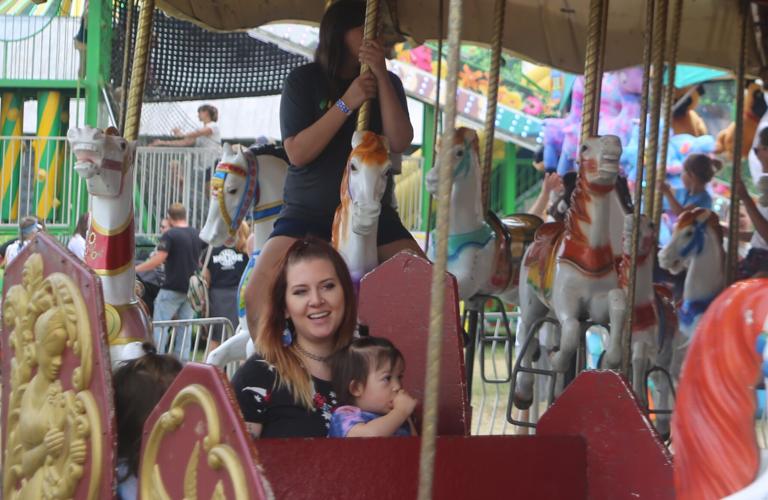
<point>716,449</point>
<point>689,238</point>
<point>233,190</point>
<point>464,157</point>
<point>364,182</point>
<point>102,159</point>
<point>645,236</point>
<point>599,162</point>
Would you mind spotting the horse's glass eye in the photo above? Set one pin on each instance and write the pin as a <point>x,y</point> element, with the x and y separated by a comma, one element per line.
<point>583,148</point>
<point>459,153</point>
<point>353,167</point>
<point>231,190</point>
<point>689,232</point>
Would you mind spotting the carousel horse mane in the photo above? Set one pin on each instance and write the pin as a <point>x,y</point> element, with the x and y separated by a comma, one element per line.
<point>689,217</point>
<point>370,152</point>
<point>580,198</point>
<point>716,452</point>
<point>270,150</point>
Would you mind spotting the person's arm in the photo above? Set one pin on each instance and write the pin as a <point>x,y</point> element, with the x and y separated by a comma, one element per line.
<point>307,145</point>
<point>395,122</point>
<point>175,142</point>
<point>154,261</point>
<point>207,277</point>
<point>674,206</point>
<point>760,223</point>
<point>551,182</point>
<point>386,425</point>
<point>253,429</point>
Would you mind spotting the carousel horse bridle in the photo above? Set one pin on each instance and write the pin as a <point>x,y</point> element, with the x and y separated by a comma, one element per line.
<point>250,194</point>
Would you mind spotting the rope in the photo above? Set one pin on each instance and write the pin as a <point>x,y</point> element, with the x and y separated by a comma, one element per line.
<point>591,65</point>
<point>733,212</point>
<point>626,335</point>
<point>436,116</point>
<point>499,8</point>
<point>669,98</point>
<point>601,62</point>
<point>126,57</point>
<point>434,346</point>
<point>371,25</point>
<point>139,70</point>
<point>659,40</point>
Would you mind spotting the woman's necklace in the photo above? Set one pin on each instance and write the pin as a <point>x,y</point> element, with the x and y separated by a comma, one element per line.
<point>321,359</point>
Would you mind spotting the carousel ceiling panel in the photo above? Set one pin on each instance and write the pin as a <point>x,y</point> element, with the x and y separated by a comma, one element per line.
<point>550,32</point>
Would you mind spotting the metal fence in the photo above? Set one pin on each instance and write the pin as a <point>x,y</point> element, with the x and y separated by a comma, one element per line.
<point>408,192</point>
<point>38,48</point>
<point>191,339</point>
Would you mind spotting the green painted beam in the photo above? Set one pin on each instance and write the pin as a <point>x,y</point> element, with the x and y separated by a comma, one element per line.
<point>38,84</point>
<point>98,47</point>
<point>509,178</point>
<point>428,154</point>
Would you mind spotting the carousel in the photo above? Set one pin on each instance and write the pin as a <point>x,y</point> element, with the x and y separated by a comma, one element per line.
<point>67,324</point>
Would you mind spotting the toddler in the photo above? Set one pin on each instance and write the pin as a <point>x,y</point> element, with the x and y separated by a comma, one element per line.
<point>366,376</point>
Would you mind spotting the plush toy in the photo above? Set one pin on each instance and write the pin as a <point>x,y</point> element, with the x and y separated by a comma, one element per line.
<point>754,109</point>
<point>685,120</point>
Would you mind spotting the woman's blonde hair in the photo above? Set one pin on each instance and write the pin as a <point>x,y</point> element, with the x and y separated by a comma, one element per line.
<point>290,369</point>
<point>243,232</point>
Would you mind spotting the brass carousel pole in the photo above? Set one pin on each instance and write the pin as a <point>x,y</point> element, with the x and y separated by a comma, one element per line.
<point>369,33</point>
<point>626,335</point>
<point>434,345</point>
<point>126,58</point>
<point>657,58</point>
<point>499,8</point>
<point>733,212</point>
<point>598,11</point>
<point>661,175</point>
<point>139,71</point>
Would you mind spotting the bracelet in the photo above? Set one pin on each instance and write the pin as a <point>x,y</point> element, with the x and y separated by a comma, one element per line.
<point>343,107</point>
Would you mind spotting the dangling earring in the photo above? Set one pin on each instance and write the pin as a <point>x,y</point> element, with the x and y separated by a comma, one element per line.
<point>288,332</point>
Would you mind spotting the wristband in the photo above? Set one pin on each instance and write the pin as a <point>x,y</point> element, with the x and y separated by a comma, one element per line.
<point>343,107</point>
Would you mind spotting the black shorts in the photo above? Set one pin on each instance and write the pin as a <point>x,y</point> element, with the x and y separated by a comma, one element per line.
<point>390,227</point>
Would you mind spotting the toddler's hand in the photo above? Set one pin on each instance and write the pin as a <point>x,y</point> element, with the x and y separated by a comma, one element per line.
<point>666,188</point>
<point>404,402</point>
<point>553,182</point>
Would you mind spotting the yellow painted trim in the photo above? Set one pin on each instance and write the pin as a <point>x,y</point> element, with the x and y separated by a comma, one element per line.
<point>96,227</point>
<point>97,448</point>
<point>267,206</point>
<point>124,340</point>
<point>113,272</point>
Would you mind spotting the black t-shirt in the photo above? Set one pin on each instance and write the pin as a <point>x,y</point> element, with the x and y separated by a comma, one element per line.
<point>312,191</point>
<point>262,402</point>
<point>226,267</point>
<point>183,247</point>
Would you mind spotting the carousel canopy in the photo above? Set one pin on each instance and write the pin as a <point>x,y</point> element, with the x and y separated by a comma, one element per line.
<point>551,32</point>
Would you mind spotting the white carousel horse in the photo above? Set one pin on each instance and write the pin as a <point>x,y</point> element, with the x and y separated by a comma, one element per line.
<point>243,178</point>
<point>696,244</point>
<point>716,449</point>
<point>483,252</point>
<point>356,221</point>
<point>105,161</point>
<point>569,269</point>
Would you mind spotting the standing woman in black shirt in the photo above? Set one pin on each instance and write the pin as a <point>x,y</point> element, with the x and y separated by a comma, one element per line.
<point>318,115</point>
<point>285,389</point>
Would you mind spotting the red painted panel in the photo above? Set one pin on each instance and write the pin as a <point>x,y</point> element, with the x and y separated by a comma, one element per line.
<point>387,468</point>
<point>56,259</point>
<point>177,446</point>
<point>625,456</point>
<point>394,303</point>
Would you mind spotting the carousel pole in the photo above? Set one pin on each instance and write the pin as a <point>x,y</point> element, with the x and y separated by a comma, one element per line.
<point>499,8</point>
<point>661,176</point>
<point>369,33</point>
<point>434,345</point>
<point>657,58</point>
<point>139,71</point>
<point>126,57</point>
<point>626,334</point>
<point>733,212</point>
<point>598,10</point>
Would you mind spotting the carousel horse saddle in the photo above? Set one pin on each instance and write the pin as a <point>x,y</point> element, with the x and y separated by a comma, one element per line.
<point>541,257</point>
<point>513,234</point>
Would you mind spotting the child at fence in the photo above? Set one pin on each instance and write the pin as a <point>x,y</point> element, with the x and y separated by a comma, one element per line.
<point>138,386</point>
<point>366,376</point>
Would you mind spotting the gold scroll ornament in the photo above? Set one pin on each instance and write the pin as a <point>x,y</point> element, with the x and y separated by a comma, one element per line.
<point>49,430</point>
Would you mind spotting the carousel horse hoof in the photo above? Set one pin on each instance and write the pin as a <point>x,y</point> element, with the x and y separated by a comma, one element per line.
<point>522,404</point>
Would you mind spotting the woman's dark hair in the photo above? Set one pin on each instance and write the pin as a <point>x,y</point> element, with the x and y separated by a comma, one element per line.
<point>354,362</point>
<point>213,113</point>
<point>702,166</point>
<point>82,225</point>
<point>269,342</point>
<point>138,386</point>
<point>331,51</point>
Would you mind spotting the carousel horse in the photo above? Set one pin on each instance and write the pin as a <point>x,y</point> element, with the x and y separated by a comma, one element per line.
<point>696,244</point>
<point>569,269</point>
<point>243,179</point>
<point>483,252</point>
<point>105,161</point>
<point>716,449</point>
<point>356,221</point>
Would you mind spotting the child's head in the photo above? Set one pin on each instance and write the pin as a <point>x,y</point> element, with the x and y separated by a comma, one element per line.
<point>367,374</point>
<point>698,170</point>
<point>138,385</point>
